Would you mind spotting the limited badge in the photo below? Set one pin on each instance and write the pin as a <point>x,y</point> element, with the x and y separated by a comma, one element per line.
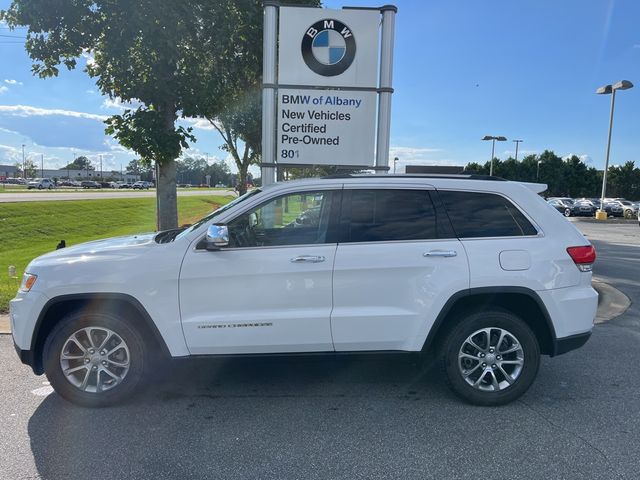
<point>328,47</point>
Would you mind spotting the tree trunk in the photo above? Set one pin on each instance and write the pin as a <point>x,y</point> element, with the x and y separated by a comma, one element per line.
<point>166,195</point>
<point>242,179</point>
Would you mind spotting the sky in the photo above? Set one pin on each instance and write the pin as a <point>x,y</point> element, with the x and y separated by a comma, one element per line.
<point>463,69</point>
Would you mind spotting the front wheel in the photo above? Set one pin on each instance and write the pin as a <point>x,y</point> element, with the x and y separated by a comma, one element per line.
<point>94,360</point>
<point>567,212</point>
<point>491,358</point>
<point>628,214</point>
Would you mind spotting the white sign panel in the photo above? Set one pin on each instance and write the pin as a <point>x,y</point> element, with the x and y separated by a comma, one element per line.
<point>326,127</point>
<point>325,47</point>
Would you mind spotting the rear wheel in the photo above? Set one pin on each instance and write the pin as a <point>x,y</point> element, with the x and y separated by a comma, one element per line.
<point>490,358</point>
<point>94,360</point>
<point>628,214</point>
<point>567,212</point>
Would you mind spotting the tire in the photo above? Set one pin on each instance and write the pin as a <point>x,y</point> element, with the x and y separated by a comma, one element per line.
<point>112,390</point>
<point>40,187</point>
<point>567,212</point>
<point>477,326</point>
<point>628,214</point>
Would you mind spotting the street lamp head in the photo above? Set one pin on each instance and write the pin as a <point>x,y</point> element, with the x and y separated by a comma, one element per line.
<point>622,85</point>
<point>517,141</point>
<point>499,139</point>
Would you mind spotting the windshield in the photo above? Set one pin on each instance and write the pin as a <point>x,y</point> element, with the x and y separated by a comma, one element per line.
<point>217,212</point>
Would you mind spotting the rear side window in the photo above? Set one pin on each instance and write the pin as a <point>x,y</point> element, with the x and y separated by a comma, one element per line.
<point>384,215</point>
<point>476,215</point>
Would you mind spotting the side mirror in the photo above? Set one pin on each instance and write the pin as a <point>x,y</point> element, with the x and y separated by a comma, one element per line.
<point>217,237</point>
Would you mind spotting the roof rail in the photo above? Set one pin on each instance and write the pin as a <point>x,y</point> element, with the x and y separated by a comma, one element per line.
<point>457,176</point>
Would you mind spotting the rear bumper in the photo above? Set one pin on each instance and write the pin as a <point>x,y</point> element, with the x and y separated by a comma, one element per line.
<point>566,344</point>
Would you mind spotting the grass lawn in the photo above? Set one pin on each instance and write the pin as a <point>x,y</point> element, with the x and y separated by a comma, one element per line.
<point>29,229</point>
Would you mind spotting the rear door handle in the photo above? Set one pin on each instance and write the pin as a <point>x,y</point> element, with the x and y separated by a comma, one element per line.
<point>440,253</point>
<point>308,259</point>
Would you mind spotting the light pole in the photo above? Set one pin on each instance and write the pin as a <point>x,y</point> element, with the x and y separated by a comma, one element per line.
<point>42,165</point>
<point>24,173</point>
<point>493,147</point>
<point>606,90</point>
<point>517,142</point>
<point>395,160</point>
<point>538,170</point>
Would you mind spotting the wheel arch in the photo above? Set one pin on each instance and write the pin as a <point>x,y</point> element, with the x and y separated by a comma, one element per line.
<point>56,308</point>
<point>521,301</point>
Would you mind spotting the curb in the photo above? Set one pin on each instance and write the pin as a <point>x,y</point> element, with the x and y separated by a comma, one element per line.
<point>5,324</point>
<point>611,301</point>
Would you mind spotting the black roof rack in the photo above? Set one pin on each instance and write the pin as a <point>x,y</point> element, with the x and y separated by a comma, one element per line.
<point>458,176</point>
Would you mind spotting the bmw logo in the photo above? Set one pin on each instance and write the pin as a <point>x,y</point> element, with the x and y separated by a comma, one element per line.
<point>328,47</point>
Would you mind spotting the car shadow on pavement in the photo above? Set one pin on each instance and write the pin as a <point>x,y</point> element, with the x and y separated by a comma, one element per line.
<point>201,418</point>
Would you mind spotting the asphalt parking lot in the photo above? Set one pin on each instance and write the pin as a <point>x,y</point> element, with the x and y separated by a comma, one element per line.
<point>348,418</point>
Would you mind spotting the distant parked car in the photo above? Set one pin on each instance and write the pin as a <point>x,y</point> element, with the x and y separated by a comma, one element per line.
<point>41,184</point>
<point>583,208</point>
<point>612,208</point>
<point>89,184</point>
<point>68,183</point>
<point>629,209</point>
<point>563,207</point>
<point>123,184</point>
<point>141,185</point>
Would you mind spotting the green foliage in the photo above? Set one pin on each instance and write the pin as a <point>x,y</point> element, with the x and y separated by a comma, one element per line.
<point>569,177</point>
<point>80,163</point>
<point>146,132</point>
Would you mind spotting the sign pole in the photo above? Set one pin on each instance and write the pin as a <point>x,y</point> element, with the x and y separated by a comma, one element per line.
<point>268,168</point>
<point>385,87</point>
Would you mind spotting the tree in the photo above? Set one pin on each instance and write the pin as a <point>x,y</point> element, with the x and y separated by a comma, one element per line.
<point>80,163</point>
<point>143,169</point>
<point>30,168</point>
<point>229,95</point>
<point>143,52</point>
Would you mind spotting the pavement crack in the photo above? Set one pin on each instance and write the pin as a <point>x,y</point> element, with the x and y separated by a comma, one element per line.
<point>576,435</point>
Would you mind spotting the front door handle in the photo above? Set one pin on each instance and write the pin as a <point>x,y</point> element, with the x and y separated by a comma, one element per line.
<point>440,253</point>
<point>308,259</point>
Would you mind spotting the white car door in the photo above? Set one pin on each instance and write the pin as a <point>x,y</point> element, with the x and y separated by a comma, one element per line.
<point>397,264</point>
<point>271,289</point>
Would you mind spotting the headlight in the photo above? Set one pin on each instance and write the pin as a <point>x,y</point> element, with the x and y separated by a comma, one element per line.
<point>28,280</point>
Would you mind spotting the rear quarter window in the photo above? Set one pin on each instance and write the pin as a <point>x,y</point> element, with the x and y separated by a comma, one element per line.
<point>475,215</point>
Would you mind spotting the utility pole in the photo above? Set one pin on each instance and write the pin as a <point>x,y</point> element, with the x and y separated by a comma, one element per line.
<point>24,173</point>
<point>100,166</point>
<point>42,165</point>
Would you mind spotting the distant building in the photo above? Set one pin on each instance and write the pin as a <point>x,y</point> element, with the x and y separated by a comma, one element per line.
<point>9,171</point>
<point>434,169</point>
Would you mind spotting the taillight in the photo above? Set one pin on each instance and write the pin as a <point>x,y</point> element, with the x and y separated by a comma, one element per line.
<point>583,257</point>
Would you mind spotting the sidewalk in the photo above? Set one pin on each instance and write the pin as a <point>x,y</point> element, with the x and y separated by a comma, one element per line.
<point>611,303</point>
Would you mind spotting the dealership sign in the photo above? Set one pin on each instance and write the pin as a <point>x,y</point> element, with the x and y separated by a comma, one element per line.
<point>326,91</point>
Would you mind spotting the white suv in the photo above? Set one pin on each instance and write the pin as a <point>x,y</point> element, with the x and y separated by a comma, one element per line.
<point>482,272</point>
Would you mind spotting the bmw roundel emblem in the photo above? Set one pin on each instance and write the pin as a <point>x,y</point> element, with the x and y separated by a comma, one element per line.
<point>328,47</point>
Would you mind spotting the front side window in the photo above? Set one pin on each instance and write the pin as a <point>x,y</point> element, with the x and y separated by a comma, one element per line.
<point>475,215</point>
<point>294,219</point>
<point>387,215</point>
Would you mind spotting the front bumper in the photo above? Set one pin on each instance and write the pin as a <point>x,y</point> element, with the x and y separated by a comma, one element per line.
<point>27,358</point>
